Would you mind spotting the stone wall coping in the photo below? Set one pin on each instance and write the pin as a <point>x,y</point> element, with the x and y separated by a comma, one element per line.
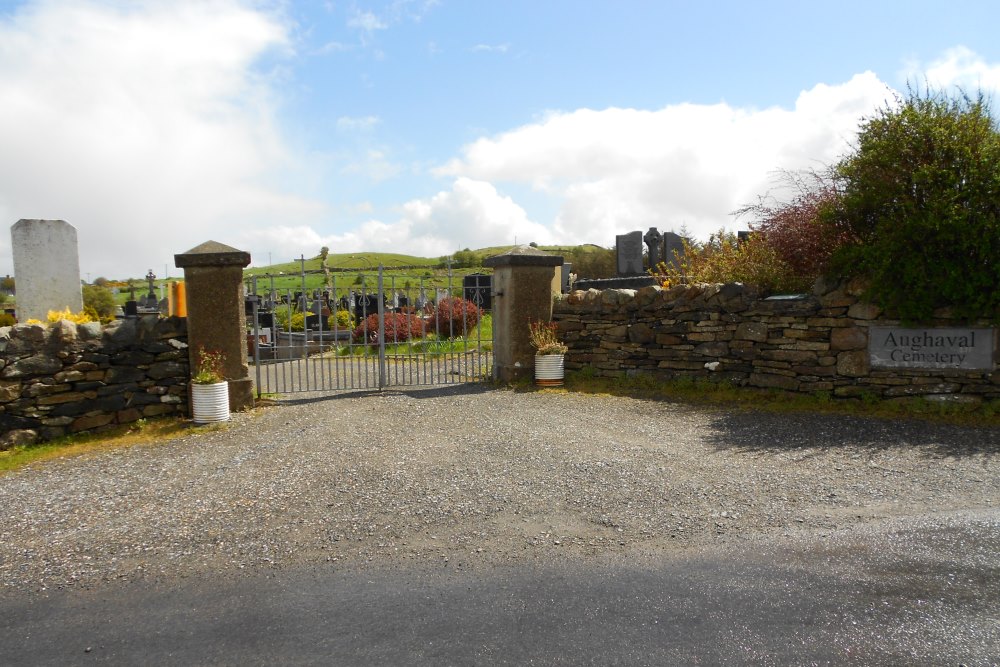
<point>212,253</point>
<point>523,255</point>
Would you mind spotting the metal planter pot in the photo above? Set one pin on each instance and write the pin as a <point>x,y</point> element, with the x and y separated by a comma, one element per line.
<point>210,402</point>
<point>549,370</point>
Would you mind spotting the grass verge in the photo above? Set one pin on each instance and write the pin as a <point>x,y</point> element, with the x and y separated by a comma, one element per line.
<point>141,432</point>
<point>986,413</point>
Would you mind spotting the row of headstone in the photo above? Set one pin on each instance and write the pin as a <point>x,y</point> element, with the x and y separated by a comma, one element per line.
<point>664,247</point>
<point>476,288</point>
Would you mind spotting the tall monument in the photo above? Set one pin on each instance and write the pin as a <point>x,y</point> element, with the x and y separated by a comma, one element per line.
<point>46,268</point>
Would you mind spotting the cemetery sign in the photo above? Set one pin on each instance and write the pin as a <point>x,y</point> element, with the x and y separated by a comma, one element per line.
<point>958,348</point>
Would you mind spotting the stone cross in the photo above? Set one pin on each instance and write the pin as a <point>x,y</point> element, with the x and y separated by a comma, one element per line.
<point>654,241</point>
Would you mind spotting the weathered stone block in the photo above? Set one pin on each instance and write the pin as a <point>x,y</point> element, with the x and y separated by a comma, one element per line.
<point>68,376</point>
<point>128,416</point>
<point>18,438</point>
<point>640,333</point>
<point>864,311</point>
<point>124,374</point>
<point>668,339</point>
<point>132,358</point>
<point>755,331</point>
<point>917,390</point>
<point>792,356</point>
<point>713,349</point>
<point>89,422</point>
<point>9,391</point>
<point>166,369</point>
<point>852,338</point>
<point>853,363</point>
<point>90,331</point>
<point>773,381</point>
<point>39,364</point>
<point>58,399</point>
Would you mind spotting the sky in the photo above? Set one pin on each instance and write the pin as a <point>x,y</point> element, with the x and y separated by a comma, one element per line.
<point>428,126</point>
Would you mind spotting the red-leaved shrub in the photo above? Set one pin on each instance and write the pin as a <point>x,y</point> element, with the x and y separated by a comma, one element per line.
<point>454,317</point>
<point>399,327</point>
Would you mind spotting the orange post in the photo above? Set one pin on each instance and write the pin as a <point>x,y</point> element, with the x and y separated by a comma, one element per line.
<point>178,299</point>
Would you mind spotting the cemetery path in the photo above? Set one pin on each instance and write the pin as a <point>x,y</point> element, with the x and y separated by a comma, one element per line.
<point>472,477</point>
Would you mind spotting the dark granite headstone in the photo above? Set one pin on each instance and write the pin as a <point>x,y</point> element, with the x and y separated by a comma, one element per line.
<point>629,254</point>
<point>476,287</point>
<point>673,248</point>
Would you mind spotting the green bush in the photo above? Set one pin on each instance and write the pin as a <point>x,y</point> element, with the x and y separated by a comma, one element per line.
<point>920,196</point>
<point>723,259</point>
<point>99,300</point>
<point>7,320</point>
<point>297,321</point>
<point>341,320</point>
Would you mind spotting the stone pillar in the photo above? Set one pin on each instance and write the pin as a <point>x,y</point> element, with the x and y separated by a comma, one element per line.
<point>46,268</point>
<point>213,275</point>
<point>525,281</point>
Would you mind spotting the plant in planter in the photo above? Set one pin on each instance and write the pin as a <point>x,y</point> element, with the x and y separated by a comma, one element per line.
<point>549,353</point>
<point>209,389</point>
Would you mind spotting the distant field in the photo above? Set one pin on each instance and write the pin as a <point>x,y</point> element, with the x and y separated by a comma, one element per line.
<point>347,269</point>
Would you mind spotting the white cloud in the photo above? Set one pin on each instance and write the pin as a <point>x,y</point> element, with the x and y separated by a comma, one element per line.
<point>141,124</point>
<point>360,124</point>
<point>617,170</point>
<point>366,21</point>
<point>490,48</point>
<point>471,214</point>
<point>957,67</point>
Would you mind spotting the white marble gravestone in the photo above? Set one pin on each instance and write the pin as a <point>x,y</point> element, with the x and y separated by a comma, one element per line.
<point>46,268</point>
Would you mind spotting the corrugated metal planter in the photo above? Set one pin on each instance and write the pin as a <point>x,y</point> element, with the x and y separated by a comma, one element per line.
<point>549,370</point>
<point>210,402</point>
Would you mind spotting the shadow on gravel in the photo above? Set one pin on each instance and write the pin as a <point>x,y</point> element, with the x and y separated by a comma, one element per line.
<point>768,432</point>
<point>439,391</point>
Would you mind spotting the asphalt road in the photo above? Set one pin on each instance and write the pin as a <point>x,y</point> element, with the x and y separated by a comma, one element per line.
<point>910,591</point>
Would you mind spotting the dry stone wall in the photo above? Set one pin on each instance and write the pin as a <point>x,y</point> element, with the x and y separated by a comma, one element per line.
<point>809,343</point>
<point>69,378</point>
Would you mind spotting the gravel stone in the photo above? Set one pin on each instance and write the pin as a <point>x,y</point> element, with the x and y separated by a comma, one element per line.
<point>468,476</point>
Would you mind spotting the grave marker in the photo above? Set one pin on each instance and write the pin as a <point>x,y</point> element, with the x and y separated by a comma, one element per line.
<point>629,254</point>
<point>46,267</point>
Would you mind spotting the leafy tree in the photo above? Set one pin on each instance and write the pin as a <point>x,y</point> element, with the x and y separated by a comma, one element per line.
<point>101,281</point>
<point>463,259</point>
<point>920,197</point>
<point>100,300</point>
<point>592,262</point>
<point>7,283</point>
<point>793,227</point>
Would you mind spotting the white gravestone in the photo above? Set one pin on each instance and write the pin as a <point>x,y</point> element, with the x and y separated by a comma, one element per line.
<point>46,268</point>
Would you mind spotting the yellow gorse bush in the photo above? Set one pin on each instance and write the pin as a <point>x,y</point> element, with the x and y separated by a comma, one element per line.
<point>77,318</point>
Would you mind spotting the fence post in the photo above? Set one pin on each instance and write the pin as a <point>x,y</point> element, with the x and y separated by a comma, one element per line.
<point>524,284</point>
<point>213,273</point>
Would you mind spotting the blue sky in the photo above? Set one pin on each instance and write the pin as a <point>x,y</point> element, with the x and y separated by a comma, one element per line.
<point>424,127</point>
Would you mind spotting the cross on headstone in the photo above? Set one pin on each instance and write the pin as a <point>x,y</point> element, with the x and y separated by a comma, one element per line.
<point>654,241</point>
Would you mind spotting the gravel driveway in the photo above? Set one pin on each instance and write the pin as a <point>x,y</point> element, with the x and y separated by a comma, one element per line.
<point>470,475</point>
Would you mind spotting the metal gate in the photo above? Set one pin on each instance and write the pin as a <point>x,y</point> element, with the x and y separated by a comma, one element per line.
<point>366,331</point>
